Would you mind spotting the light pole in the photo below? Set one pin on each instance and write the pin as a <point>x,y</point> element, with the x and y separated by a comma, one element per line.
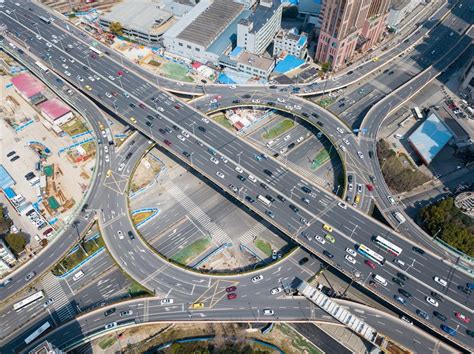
<point>88,62</point>
<point>16,16</point>
<point>436,233</point>
<point>192,126</point>
<point>191,156</point>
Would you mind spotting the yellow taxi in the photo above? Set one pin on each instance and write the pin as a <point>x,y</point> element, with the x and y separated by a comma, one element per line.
<point>133,120</point>
<point>109,173</point>
<point>198,305</point>
<point>88,88</point>
<point>375,59</point>
<point>327,227</point>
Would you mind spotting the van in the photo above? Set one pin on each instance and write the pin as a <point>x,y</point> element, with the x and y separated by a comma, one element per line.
<point>399,261</point>
<point>252,178</point>
<point>380,280</point>
<point>78,275</point>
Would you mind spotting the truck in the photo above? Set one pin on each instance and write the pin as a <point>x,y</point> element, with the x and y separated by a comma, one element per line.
<point>110,138</point>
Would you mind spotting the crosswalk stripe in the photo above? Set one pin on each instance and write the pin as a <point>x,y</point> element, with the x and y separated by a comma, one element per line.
<point>61,304</point>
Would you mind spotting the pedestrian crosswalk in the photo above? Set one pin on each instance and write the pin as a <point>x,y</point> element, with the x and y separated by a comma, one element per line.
<point>53,289</point>
<point>250,235</point>
<point>217,234</point>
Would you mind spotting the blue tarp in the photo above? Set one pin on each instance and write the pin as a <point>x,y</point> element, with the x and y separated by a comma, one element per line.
<point>5,179</point>
<point>289,63</point>
<point>10,193</point>
<point>224,79</point>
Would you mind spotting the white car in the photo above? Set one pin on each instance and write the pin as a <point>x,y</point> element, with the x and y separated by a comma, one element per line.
<point>97,77</point>
<point>288,107</point>
<point>80,78</point>
<point>167,301</point>
<point>121,166</point>
<point>126,313</point>
<point>361,155</point>
<point>67,73</point>
<point>252,178</point>
<point>297,106</point>
<point>276,290</point>
<point>300,139</point>
<point>432,301</point>
<point>108,95</point>
<point>205,120</point>
<point>391,200</point>
<point>224,160</point>
<point>255,101</point>
<point>287,137</point>
<point>48,302</point>
<point>106,149</point>
<point>91,78</point>
<point>110,325</point>
<point>351,252</point>
<point>107,159</point>
<point>346,141</point>
<point>49,45</point>
<point>342,147</point>
<point>111,77</point>
<point>232,87</point>
<point>185,133</point>
<point>182,138</point>
<point>340,130</point>
<point>179,83</point>
<point>214,160</point>
<point>257,278</point>
<point>342,205</point>
<point>281,100</point>
<point>351,187</point>
<point>349,259</point>
<point>440,281</point>
<point>213,101</point>
<point>268,312</point>
<point>320,239</point>
<point>220,174</point>
<point>65,66</point>
<point>161,109</point>
<point>238,169</point>
<point>120,234</point>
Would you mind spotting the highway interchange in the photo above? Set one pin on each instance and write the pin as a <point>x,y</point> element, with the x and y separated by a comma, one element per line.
<point>350,226</point>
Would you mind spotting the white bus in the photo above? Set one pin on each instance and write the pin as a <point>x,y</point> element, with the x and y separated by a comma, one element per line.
<point>38,332</point>
<point>96,51</point>
<point>368,253</point>
<point>264,200</point>
<point>388,246</point>
<point>44,19</point>
<point>417,113</point>
<point>28,301</point>
<point>399,217</point>
<point>42,66</point>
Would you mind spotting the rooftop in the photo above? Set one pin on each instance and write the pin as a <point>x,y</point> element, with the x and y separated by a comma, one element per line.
<point>27,84</point>
<point>261,15</point>
<point>256,61</point>
<point>228,37</point>
<point>54,108</point>
<point>210,22</point>
<point>6,180</point>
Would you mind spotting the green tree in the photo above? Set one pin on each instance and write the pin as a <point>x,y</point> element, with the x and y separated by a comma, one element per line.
<point>16,242</point>
<point>116,28</point>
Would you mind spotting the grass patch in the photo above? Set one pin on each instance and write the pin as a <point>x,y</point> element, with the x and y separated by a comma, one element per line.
<point>299,343</point>
<point>326,101</point>
<point>73,259</point>
<point>278,129</point>
<point>263,246</point>
<point>222,120</point>
<point>89,147</point>
<point>190,251</point>
<point>139,217</point>
<point>176,72</point>
<point>75,126</point>
<point>137,289</point>
<point>154,63</point>
<point>104,344</point>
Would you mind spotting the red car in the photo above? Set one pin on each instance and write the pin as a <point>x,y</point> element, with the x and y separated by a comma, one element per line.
<point>167,142</point>
<point>232,296</point>
<point>370,187</point>
<point>218,97</point>
<point>231,289</point>
<point>462,317</point>
<point>48,231</point>
<point>142,106</point>
<point>176,106</point>
<point>370,264</point>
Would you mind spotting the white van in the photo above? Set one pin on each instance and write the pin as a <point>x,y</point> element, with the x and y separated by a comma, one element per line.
<point>380,280</point>
<point>399,261</point>
<point>78,275</point>
<point>252,178</point>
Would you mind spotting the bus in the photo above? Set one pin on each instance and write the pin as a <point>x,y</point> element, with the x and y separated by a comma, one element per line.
<point>42,66</point>
<point>28,301</point>
<point>368,253</point>
<point>96,51</point>
<point>264,200</point>
<point>38,332</point>
<point>417,113</point>
<point>110,138</point>
<point>399,217</point>
<point>388,246</point>
<point>44,19</point>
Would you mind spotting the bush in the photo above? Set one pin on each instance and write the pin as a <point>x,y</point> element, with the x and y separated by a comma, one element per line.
<point>5,223</point>
<point>449,224</point>
<point>16,242</point>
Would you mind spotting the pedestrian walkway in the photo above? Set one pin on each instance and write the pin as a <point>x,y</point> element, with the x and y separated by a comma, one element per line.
<point>251,234</point>
<point>217,234</point>
<point>52,287</point>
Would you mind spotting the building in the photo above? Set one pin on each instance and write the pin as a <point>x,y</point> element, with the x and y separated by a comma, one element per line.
<point>467,81</point>
<point>289,42</point>
<point>349,25</point>
<point>256,32</point>
<point>4,267</point>
<point>246,62</point>
<point>141,21</point>
<point>201,33</point>
<point>28,87</point>
<point>430,138</point>
<point>399,10</point>
<point>6,255</point>
<point>45,348</point>
<point>55,112</point>
<point>465,203</point>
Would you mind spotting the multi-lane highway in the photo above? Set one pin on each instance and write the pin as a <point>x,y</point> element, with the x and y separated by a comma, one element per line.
<point>222,157</point>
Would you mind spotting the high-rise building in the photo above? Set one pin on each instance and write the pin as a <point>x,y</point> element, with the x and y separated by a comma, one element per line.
<point>349,25</point>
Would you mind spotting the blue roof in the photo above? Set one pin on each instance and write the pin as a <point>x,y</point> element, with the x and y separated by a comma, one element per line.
<point>224,79</point>
<point>9,192</point>
<point>302,40</point>
<point>236,52</point>
<point>5,179</point>
<point>430,138</point>
<point>289,63</point>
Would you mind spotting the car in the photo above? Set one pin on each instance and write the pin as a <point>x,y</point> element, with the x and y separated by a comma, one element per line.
<point>359,188</point>
<point>440,281</point>
<point>417,250</point>
<point>270,214</point>
<point>437,296</point>
<point>306,189</point>
<point>268,312</point>
<point>214,160</point>
<point>167,142</point>
<point>241,178</point>
<point>276,290</point>
<point>264,186</point>
<point>30,276</point>
<point>451,331</point>
<point>351,252</point>
<point>360,154</point>
<point>330,238</point>
<point>187,154</point>
<point>397,281</point>
<point>402,276</point>
<point>133,120</point>
<point>110,311</point>
<point>167,301</point>
<point>110,325</point>
<point>391,200</point>
<point>239,170</point>
<point>220,174</point>
<point>182,138</point>
<point>346,141</point>
<point>270,198</point>
<point>400,299</point>
<point>349,259</point>
<point>131,235</point>
<point>470,286</point>
<point>149,124</point>
<point>250,199</point>
<point>48,231</point>
<point>328,254</point>
<point>231,296</point>
<point>342,205</point>
<point>257,278</point>
<point>197,305</point>
<point>48,302</point>
<point>303,260</point>
<point>464,290</point>
<point>343,148</point>
<point>404,293</point>
<point>120,234</point>
<point>67,73</point>
<point>462,317</point>
<point>14,158</point>
<point>370,264</point>
<point>233,188</point>
<point>231,289</point>
<point>306,200</point>
<point>304,221</point>
<point>423,314</point>
<point>432,301</point>
<point>470,332</point>
<point>351,187</point>
<point>224,160</point>
<point>281,198</point>
<point>126,313</point>
<point>439,316</point>
<point>327,227</point>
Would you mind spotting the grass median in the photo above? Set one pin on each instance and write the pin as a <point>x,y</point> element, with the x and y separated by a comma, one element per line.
<point>278,129</point>
<point>191,251</point>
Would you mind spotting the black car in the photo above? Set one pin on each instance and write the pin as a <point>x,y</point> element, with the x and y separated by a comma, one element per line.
<point>417,250</point>
<point>202,129</point>
<point>246,96</point>
<point>315,115</point>
<point>168,130</point>
<point>131,235</point>
<point>398,281</point>
<point>349,178</point>
<point>404,293</point>
<point>439,315</point>
<point>264,186</point>
<point>470,332</point>
<point>328,254</point>
<point>132,105</point>
<point>320,123</point>
<point>242,178</point>
<point>109,311</point>
<point>281,198</point>
<point>402,276</point>
<point>175,127</point>
<point>148,123</point>
<point>386,71</point>
<point>294,208</point>
<point>464,290</point>
<point>270,198</point>
<point>268,172</point>
<point>150,117</point>
<point>236,101</point>
<point>291,146</point>
<point>303,260</point>
<point>437,296</point>
<point>306,189</point>
<point>162,131</point>
<point>270,103</point>
<point>11,153</point>
<point>250,199</point>
<point>305,114</point>
<point>350,72</point>
<point>187,154</point>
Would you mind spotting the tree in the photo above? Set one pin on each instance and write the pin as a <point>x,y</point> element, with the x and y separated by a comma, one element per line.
<point>325,67</point>
<point>16,242</point>
<point>116,28</point>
